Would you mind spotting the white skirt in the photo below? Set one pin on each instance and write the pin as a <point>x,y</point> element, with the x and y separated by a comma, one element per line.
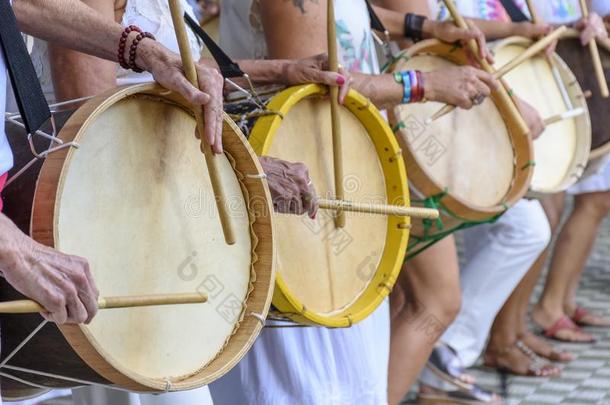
<point>313,366</point>
<point>596,178</point>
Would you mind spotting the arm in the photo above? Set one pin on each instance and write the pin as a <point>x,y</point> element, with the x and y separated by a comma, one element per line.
<point>73,24</point>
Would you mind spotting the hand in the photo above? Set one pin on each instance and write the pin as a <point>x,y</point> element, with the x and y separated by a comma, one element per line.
<point>531,116</point>
<point>315,70</point>
<point>61,283</point>
<point>166,68</point>
<point>535,32</point>
<point>459,86</point>
<point>447,31</point>
<point>591,28</point>
<point>291,189</point>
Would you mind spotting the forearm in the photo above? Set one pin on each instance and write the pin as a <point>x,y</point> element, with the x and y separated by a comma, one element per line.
<point>402,6</point>
<point>12,242</point>
<point>496,29</point>
<point>382,90</point>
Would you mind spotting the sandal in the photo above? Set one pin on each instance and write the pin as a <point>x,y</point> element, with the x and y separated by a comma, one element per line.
<point>473,396</point>
<point>581,313</point>
<point>445,364</point>
<point>537,361</point>
<point>535,368</point>
<point>565,323</point>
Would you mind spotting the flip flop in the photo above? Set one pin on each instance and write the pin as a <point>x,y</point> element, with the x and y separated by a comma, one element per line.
<point>580,313</point>
<point>474,396</point>
<point>564,323</point>
<point>446,365</point>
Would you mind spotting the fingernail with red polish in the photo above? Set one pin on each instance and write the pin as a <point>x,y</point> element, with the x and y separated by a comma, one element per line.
<point>340,80</point>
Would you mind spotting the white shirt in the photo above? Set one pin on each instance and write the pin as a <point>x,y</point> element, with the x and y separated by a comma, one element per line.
<point>6,156</point>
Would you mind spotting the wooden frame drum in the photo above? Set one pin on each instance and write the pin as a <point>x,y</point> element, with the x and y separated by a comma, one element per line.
<point>562,151</point>
<point>134,198</point>
<point>331,276</point>
<point>472,165</point>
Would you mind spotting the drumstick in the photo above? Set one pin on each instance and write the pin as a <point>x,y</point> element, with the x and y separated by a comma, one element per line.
<point>572,33</point>
<point>212,161</point>
<point>564,116</point>
<point>597,62</point>
<point>333,63</point>
<point>29,306</point>
<point>379,209</point>
<point>508,67</point>
<point>533,12</point>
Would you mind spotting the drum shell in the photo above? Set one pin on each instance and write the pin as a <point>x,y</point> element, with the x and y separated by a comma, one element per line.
<point>67,351</point>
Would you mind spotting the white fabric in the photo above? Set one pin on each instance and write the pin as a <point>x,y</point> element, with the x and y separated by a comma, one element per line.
<point>596,178</point>
<point>497,257</point>
<point>106,396</point>
<point>6,156</point>
<point>313,366</point>
<point>309,366</point>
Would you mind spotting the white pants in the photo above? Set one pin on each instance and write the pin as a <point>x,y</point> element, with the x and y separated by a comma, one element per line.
<point>108,396</point>
<point>313,366</point>
<point>497,257</point>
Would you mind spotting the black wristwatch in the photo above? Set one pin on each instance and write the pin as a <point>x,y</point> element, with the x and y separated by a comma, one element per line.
<point>414,24</point>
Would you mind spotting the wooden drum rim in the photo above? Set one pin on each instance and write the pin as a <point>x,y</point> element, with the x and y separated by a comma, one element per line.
<point>522,146</point>
<point>44,225</point>
<point>388,150</point>
<point>583,145</point>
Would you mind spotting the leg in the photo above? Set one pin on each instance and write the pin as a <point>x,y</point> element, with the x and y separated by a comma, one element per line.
<point>571,252</point>
<point>426,300</point>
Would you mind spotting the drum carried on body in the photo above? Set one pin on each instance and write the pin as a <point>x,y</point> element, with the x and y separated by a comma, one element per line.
<point>129,191</point>
<point>471,165</point>
<point>326,275</point>
<point>578,59</point>
<point>548,84</point>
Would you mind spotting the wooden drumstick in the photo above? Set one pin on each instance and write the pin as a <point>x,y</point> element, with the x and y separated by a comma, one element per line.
<point>508,67</point>
<point>597,62</point>
<point>212,161</point>
<point>572,33</point>
<point>379,209</point>
<point>333,62</point>
<point>29,306</point>
<point>564,116</point>
<point>533,12</point>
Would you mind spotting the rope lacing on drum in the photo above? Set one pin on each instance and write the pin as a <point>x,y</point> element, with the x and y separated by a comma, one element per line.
<point>55,145</point>
<point>168,385</point>
<point>530,163</point>
<point>257,176</point>
<point>259,317</point>
<point>428,239</point>
<point>395,59</point>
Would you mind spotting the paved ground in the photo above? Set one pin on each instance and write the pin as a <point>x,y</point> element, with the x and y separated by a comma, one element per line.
<point>587,379</point>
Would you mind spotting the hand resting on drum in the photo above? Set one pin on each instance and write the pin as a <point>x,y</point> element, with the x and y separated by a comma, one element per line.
<point>292,191</point>
<point>531,116</point>
<point>459,86</point>
<point>61,283</point>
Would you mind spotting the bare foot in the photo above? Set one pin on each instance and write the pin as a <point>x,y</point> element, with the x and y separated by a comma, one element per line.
<point>511,359</point>
<point>543,348</point>
<point>559,327</point>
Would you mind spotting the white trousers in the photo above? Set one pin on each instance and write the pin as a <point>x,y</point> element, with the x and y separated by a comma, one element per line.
<point>313,366</point>
<point>497,257</point>
<point>107,396</point>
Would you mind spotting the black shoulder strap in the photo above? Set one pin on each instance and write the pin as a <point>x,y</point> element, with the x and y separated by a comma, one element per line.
<point>32,105</point>
<point>514,11</point>
<point>228,68</point>
<point>376,23</point>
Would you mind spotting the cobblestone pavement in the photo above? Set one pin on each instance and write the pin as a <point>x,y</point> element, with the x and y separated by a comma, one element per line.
<point>586,380</point>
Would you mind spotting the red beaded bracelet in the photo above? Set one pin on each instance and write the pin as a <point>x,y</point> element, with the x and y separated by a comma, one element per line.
<point>134,48</point>
<point>123,42</point>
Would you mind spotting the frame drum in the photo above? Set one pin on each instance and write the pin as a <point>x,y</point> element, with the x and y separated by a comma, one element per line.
<point>332,276</point>
<point>135,199</point>
<point>469,164</point>
<point>562,151</point>
<point>578,59</point>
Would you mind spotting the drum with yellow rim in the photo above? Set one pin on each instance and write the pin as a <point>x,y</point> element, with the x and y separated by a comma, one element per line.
<point>547,83</point>
<point>332,276</point>
<point>472,165</point>
<point>126,187</point>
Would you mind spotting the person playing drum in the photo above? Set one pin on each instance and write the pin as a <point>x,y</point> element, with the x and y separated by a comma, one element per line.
<point>61,283</point>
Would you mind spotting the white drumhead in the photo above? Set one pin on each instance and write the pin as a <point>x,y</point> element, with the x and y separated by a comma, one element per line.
<point>136,201</point>
<point>559,150</point>
<point>469,153</point>
<point>327,268</point>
